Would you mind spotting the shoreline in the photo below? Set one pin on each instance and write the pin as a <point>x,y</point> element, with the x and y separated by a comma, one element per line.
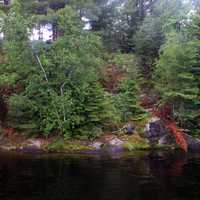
<point>106,143</point>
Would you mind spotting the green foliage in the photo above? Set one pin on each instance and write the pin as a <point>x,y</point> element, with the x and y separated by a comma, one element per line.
<point>76,99</point>
<point>56,145</point>
<point>123,79</point>
<point>16,47</point>
<point>164,17</point>
<point>127,100</point>
<point>60,81</point>
<point>173,71</point>
<point>177,76</point>
<point>67,20</point>
<point>115,21</point>
<point>77,112</point>
<point>62,94</point>
<point>136,143</point>
<point>22,113</point>
<point>148,40</point>
<point>126,62</point>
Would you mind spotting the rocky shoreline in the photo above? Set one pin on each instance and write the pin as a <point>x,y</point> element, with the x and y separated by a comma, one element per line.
<point>111,142</point>
<point>155,136</point>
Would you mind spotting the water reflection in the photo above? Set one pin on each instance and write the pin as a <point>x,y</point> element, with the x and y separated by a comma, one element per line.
<point>140,175</point>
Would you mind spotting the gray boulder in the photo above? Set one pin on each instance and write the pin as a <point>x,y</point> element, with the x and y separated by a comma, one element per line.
<point>116,142</point>
<point>97,145</point>
<point>154,129</point>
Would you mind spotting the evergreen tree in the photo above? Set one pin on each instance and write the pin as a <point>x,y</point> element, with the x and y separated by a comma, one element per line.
<point>164,17</point>
<point>16,46</point>
<point>56,86</point>
<point>177,75</point>
<point>127,100</point>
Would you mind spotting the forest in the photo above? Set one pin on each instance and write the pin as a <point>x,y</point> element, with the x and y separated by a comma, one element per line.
<point>108,63</point>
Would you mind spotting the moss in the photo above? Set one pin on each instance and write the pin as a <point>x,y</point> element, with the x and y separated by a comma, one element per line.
<point>57,144</point>
<point>136,146</point>
<point>60,145</point>
<point>135,142</point>
<point>165,147</point>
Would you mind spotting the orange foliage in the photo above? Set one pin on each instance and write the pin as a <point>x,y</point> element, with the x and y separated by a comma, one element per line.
<point>166,115</point>
<point>180,140</point>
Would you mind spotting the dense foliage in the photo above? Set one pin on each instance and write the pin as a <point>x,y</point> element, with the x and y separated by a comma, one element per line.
<point>102,57</point>
<point>56,87</point>
<point>177,75</point>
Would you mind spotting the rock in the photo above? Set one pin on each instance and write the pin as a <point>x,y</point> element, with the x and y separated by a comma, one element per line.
<point>193,143</point>
<point>109,144</point>
<point>129,129</point>
<point>155,129</point>
<point>37,143</point>
<point>8,147</point>
<point>97,145</point>
<point>116,142</point>
<point>114,145</point>
<point>33,146</point>
<point>167,140</point>
<point>31,149</point>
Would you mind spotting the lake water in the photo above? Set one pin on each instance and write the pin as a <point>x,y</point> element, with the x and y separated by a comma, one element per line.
<point>136,176</point>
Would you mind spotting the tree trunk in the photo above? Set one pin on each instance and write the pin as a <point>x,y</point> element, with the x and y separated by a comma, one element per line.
<point>55,31</point>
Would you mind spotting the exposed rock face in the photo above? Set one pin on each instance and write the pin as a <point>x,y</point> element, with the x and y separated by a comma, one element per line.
<point>155,129</point>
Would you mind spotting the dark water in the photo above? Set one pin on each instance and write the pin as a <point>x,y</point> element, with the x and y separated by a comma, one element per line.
<point>100,177</point>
